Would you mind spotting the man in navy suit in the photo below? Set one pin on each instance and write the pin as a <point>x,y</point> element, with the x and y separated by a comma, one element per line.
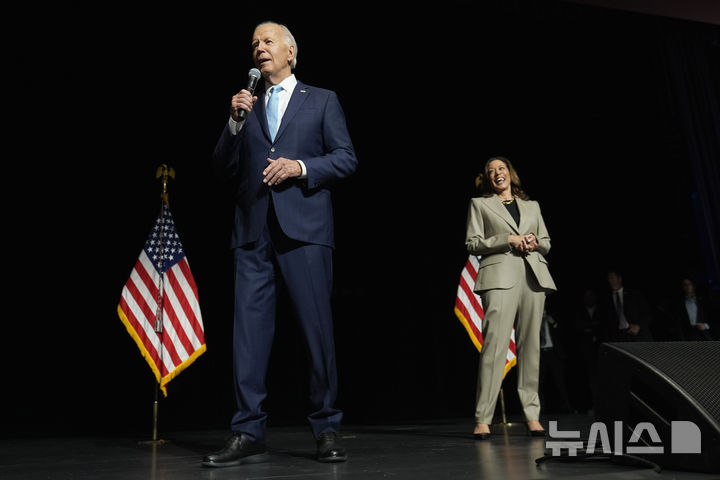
<point>283,229</point>
<point>690,317</point>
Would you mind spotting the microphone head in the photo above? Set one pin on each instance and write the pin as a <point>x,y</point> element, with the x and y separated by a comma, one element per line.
<point>253,79</point>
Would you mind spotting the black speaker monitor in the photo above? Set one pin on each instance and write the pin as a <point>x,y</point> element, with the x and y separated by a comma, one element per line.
<point>665,397</point>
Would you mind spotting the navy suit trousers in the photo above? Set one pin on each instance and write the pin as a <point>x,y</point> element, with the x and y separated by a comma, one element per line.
<point>261,268</point>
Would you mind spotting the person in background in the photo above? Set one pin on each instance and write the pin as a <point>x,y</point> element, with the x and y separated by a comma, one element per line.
<point>552,386</point>
<point>626,313</point>
<point>586,342</point>
<point>507,230</point>
<point>285,147</point>
<point>690,315</point>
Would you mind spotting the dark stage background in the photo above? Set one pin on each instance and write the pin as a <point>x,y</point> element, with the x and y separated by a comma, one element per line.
<point>583,99</point>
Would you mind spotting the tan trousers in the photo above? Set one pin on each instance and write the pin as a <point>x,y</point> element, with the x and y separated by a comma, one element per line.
<point>521,305</point>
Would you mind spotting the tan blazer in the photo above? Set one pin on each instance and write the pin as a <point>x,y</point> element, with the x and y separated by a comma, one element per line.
<point>489,228</point>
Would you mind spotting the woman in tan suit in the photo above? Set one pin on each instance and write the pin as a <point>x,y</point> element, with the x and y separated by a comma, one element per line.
<point>507,231</point>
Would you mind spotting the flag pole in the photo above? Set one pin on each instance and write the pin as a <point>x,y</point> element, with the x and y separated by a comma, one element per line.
<point>164,173</point>
<point>155,414</point>
<point>504,422</point>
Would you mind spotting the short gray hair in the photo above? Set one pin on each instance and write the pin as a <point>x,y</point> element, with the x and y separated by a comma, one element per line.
<point>289,39</point>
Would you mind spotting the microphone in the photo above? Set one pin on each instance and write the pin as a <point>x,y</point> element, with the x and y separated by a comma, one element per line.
<point>253,77</point>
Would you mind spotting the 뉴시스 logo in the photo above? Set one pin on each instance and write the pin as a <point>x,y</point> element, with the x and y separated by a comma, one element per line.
<point>684,438</point>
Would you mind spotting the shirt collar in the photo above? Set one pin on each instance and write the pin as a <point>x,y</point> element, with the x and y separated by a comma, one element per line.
<point>288,84</point>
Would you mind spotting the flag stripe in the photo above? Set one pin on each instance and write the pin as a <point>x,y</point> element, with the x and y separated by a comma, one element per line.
<point>176,320</point>
<point>139,310</point>
<point>185,298</point>
<point>193,300</point>
<point>169,336</point>
<point>139,336</point>
<point>473,301</point>
<point>475,336</point>
<point>149,277</point>
<point>472,266</point>
<point>474,316</point>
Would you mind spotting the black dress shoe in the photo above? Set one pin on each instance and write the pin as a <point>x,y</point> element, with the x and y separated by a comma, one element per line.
<point>329,449</point>
<point>483,435</point>
<point>238,450</point>
<point>534,433</point>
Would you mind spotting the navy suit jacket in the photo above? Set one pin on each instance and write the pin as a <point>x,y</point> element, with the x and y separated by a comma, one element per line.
<point>683,330</point>
<point>637,311</point>
<point>313,130</point>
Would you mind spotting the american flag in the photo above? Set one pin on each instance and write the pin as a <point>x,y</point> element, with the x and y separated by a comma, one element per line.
<point>468,309</point>
<point>159,304</point>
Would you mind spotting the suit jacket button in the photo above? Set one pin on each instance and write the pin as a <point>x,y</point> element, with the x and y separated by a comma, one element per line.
<point>272,149</point>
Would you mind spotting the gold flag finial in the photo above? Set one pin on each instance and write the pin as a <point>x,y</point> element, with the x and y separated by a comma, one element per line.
<point>164,172</point>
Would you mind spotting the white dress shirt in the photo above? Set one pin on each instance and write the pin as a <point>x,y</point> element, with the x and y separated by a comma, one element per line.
<point>691,307</point>
<point>619,308</point>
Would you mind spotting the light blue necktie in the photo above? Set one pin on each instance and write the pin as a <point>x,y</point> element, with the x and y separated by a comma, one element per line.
<point>273,111</point>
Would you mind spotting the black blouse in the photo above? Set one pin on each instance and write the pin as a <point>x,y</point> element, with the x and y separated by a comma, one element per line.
<point>512,208</point>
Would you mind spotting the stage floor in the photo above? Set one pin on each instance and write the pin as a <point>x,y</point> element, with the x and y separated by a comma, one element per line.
<point>442,449</point>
